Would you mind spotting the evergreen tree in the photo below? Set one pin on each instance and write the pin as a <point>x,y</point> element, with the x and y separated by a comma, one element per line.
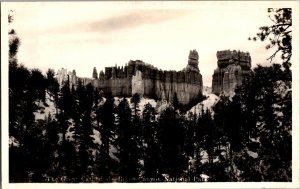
<point>267,104</point>
<point>171,139</point>
<point>14,42</point>
<point>52,139</point>
<point>97,97</point>
<point>18,85</point>
<point>216,142</point>
<point>175,101</point>
<point>66,150</point>
<point>150,142</point>
<point>65,105</point>
<point>127,143</point>
<point>52,86</point>
<point>21,118</point>
<point>220,122</point>
<point>279,35</point>
<point>270,136</point>
<point>90,97</point>
<point>51,82</point>
<point>37,84</point>
<point>81,102</point>
<point>107,119</point>
<point>135,100</point>
<point>233,125</point>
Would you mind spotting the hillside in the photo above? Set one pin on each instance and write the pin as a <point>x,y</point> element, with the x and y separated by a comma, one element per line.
<point>208,103</point>
<point>194,141</point>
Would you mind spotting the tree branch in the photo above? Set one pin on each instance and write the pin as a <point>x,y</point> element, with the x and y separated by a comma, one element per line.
<point>273,55</point>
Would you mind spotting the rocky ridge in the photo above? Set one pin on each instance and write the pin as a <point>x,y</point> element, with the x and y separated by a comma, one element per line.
<point>146,80</point>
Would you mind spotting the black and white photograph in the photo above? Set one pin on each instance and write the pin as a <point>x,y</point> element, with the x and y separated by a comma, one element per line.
<point>150,94</point>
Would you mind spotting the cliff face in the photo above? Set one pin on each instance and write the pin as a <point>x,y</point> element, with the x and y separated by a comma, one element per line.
<point>233,69</point>
<point>148,81</point>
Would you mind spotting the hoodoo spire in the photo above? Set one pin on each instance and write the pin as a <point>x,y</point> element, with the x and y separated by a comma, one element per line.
<point>95,74</point>
<point>193,61</point>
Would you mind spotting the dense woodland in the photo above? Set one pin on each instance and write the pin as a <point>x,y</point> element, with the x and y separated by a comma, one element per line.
<point>243,138</point>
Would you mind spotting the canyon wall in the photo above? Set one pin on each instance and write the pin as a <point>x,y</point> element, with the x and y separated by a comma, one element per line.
<point>146,80</point>
<point>149,81</point>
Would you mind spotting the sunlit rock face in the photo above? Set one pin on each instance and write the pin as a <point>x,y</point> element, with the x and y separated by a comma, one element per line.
<point>137,83</point>
<point>233,70</point>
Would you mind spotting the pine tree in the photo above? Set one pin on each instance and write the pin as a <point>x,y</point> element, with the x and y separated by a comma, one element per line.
<point>135,100</point>
<point>66,150</point>
<point>107,119</point>
<point>65,105</point>
<point>150,142</point>
<point>127,143</point>
<point>271,130</point>
<point>270,135</point>
<point>22,128</point>
<point>217,142</point>
<point>37,84</point>
<point>14,42</point>
<point>171,139</point>
<point>233,125</point>
<point>18,84</point>
<point>51,137</point>
<point>279,36</point>
<point>175,101</point>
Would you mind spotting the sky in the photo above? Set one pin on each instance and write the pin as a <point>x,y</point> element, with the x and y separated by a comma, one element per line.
<point>84,35</point>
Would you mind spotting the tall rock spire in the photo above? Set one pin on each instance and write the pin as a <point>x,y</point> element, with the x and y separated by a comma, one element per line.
<point>95,74</point>
<point>193,61</point>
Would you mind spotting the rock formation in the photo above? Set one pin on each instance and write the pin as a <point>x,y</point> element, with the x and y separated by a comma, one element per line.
<point>233,69</point>
<point>149,81</point>
<point>95,75</point>
<point>63,76</point>
<point>193,61</point>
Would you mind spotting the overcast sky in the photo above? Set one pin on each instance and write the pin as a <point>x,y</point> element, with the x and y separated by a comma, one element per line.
<point>80,36</point>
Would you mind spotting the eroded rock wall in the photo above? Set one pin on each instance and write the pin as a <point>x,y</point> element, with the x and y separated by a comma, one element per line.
<point>148,81</point>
